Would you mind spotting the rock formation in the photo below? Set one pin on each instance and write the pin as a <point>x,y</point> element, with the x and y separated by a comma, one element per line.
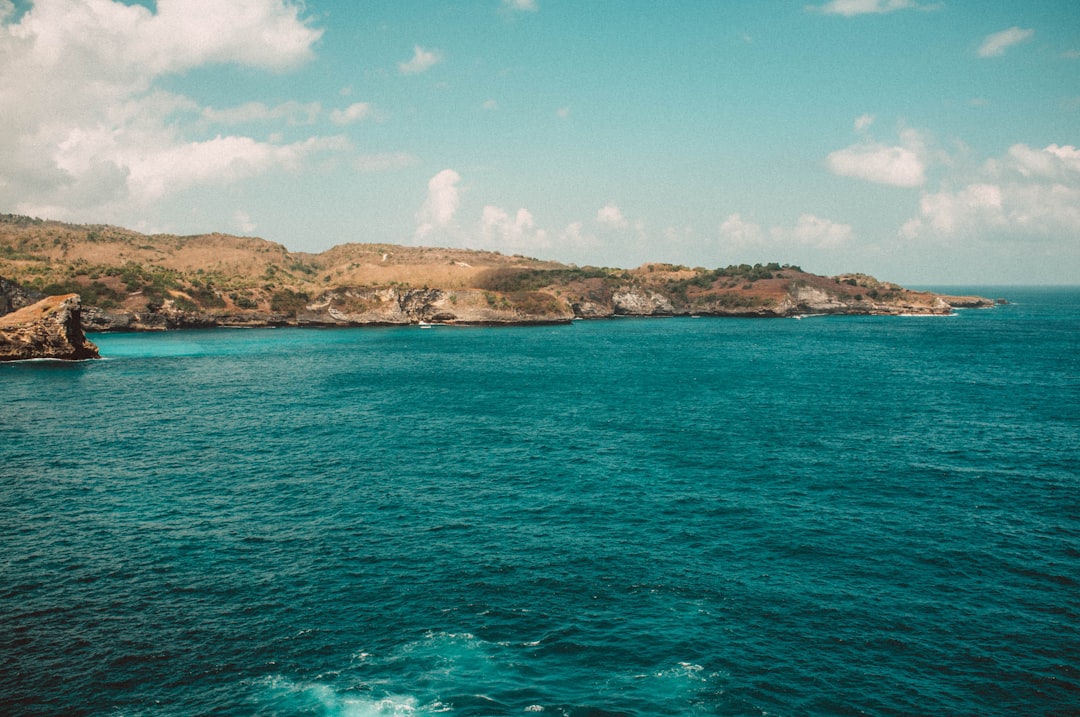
<point>13,296</point>
<point>49,329</point>
<point>133,282</point>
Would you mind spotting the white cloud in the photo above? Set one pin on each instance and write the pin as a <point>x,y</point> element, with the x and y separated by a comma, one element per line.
<point>1053,162</point>
<point>92,139</point>
<point>878,163</point>
<point>353,113</point>
<point>441,204</point>
<point>174,167</point>
<point>737,230</point>
<point>947,212</point>
<point>422,61</point>
<point>490,105</point>
<point>1027,195</point>
<point>849,8</point>
<point>863,122</point>
<point>243,222</point>
<point>809,231</point>
<point>294,113</point>
<point>611,216</point>
<point>996,44</point>
<point>520,5</point>
<point>817,232</point>
<point>902,165</point>
<point>562,112</point>
<point>384,161</point>
<point>517,232</point>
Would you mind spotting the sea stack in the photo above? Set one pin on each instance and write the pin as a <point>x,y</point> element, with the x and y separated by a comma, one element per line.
<point>49,329</point>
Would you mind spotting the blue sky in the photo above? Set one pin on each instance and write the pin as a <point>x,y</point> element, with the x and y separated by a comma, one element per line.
<point>928,143</point>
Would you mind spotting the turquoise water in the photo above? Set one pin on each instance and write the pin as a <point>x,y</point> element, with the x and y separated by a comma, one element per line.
<point>832,516</point>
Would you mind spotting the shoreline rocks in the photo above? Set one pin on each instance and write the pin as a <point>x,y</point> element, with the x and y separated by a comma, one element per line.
<point>48,329</point>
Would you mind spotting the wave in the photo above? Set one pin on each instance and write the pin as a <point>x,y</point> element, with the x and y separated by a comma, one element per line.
<point>281,695</point>
<point>457,673</point>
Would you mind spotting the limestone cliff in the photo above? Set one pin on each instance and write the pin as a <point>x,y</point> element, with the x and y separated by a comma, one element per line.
<point>49,329</point>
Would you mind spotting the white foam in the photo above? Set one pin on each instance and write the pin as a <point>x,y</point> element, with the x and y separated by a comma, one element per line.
<point>290,696</point>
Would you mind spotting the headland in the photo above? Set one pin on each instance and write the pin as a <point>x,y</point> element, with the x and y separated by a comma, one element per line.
<point>129,281</point>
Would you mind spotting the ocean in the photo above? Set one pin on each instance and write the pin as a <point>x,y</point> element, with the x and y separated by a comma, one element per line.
<point>827,516</point>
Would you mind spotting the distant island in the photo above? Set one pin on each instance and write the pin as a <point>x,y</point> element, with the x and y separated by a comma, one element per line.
<point>128,281</point>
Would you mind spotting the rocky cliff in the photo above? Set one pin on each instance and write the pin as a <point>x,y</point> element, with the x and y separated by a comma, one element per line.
<point>134,282</point>
<point>48,329</point>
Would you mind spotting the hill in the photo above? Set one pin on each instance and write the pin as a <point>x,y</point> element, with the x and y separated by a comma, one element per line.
<point>133,281</point>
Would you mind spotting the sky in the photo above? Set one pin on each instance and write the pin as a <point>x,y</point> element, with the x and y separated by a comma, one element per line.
<point>923,142</point>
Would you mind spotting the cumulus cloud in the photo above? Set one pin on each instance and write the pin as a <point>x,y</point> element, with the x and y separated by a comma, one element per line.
<point>896,166</point>
<point>95,136</point>
<point>849,8</point>
<point>1027,195</point>
<point>421,61</point>
<point>901,165</point>
<point>443,199</point>
<point>516,231</point>
<point>948,211</point>
<point>353,113</point>
<point>996,44</point>
<point>611,216</point>
<point>1053,162</point>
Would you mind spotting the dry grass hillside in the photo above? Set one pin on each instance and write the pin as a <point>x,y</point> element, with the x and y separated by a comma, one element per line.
<point>113,267</point>
<point>213,279</point>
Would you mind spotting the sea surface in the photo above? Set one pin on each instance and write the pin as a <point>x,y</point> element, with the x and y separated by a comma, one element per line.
<point>829,516</point>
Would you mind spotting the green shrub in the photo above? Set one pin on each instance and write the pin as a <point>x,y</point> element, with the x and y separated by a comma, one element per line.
<point>287,301</point>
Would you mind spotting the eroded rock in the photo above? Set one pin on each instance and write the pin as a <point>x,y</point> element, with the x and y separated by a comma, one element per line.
<point>49,329</point>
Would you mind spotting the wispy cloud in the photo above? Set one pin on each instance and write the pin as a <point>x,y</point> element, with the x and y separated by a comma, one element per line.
<point>850,8</point>
<point>294,113</point>
<point>816,232</point>
<point>809,230</point>
<point>353,113</point>
<point>421,61</point>
<point>243,222</point>
<point>996,44</point>
<point>384,161</point>
<point>520,5</point>
<point>737,230</point>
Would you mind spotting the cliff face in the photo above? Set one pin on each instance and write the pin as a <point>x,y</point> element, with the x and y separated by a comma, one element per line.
<point>49,329</point>
<point>13,296</point>
<point>134,282</point>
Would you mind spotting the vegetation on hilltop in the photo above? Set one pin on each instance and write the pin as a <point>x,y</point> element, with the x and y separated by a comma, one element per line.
<point>215,277</point>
